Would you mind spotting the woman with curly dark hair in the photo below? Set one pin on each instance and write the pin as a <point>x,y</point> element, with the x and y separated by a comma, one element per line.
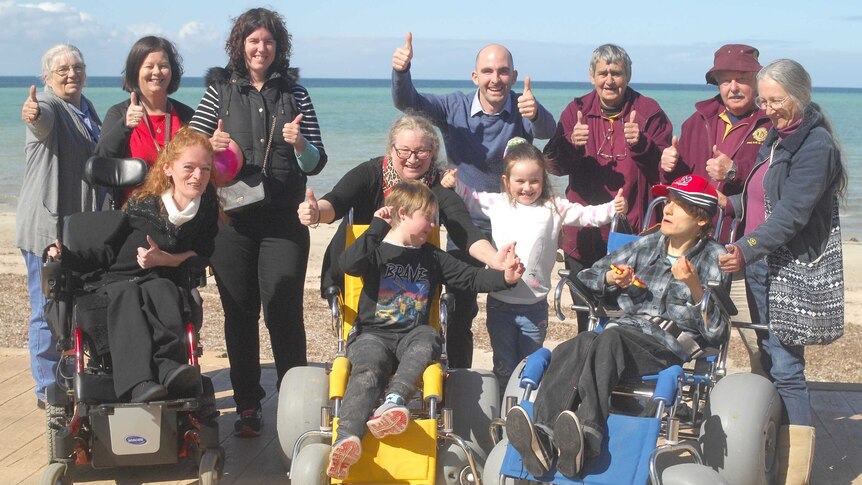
<point>262,253</point>
<point>142,125</point>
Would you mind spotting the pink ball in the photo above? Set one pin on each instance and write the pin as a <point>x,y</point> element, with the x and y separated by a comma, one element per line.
<point>228,163</point>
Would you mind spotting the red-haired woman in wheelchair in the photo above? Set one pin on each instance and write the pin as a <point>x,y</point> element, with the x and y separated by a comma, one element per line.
<point>172,218</point>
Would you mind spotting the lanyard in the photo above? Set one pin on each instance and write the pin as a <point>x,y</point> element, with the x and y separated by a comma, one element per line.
<point>168,115</point>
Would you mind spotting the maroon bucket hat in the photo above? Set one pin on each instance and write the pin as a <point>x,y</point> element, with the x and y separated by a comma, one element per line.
<point>734,57</point>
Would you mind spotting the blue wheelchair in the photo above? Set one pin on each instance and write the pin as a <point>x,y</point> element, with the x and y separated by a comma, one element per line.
<point>708,427</point>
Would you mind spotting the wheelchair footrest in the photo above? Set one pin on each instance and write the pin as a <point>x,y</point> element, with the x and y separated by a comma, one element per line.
<point>624,458</point>
<point>94,388</point>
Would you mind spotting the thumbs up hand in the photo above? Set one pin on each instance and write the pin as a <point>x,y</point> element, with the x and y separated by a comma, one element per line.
<point>581,132</point>
<point>309,211</point>
<point>293,136</point>
<point>220,139</point>
<point>527,102</point>
<point>135,113</point>
<point>632,130</point>
<point>30,110</point>
<point>621,206</point>
<point>670,156</point>
<point>148,257</point>
<point>718,166</point>
<point>403,55</point>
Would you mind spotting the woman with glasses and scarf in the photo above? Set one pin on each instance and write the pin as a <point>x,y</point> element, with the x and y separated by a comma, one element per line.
<point>62,131</point>
<point>786,211</point>
<point>609,139</point>
<point>261,255</point>
<point>412,151</point>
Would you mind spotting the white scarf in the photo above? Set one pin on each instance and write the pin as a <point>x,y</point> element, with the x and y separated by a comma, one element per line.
<point>176,216</point>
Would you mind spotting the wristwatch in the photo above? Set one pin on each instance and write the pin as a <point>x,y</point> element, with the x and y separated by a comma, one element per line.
<point>731,173</point>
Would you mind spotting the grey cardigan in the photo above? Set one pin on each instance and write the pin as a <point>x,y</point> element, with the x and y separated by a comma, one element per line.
<point>57,145</point>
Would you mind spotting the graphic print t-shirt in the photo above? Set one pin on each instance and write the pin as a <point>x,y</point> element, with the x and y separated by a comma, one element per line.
<point>404,289</point>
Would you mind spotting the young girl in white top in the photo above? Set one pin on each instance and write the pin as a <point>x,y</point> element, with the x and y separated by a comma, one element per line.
<point>527,213</point>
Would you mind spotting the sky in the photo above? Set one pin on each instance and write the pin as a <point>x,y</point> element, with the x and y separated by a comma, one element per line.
<point>668,41</point>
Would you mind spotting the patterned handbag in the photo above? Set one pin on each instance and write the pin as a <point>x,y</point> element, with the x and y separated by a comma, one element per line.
<point>806,300</point>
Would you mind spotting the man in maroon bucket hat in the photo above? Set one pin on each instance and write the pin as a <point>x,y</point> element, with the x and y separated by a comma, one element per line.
<point>721,139</point>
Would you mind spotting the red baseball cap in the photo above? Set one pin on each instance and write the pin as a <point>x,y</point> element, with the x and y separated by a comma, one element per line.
<point>691,189</point>
<point>734,57</point>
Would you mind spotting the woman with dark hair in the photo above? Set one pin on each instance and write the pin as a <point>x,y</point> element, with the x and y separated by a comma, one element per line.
<point>262,253</point>
<point>140,126</point>
<point>789,210</point>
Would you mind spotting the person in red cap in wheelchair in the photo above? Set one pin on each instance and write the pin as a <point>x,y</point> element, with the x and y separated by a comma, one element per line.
<point>658,281</point>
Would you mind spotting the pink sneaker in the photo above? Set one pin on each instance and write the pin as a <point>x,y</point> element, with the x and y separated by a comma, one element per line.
<point>389,419</point>
<point>345,452</point>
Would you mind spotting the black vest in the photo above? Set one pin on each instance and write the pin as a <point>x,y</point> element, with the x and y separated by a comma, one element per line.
<point>250,116</point>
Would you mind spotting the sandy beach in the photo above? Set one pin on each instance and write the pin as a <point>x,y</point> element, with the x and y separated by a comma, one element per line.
<point>838,362</point>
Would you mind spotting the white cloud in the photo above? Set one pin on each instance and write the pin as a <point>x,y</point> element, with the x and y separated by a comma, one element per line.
<point>140,30</point>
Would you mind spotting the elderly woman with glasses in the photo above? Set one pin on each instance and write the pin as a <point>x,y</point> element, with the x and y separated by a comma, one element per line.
<point>609,139</point>
<point>62,131</point>
<point>787,210</point>
<point>412,151</point>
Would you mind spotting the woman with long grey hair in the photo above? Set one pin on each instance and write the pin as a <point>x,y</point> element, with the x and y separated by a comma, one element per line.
<point>788,211</point>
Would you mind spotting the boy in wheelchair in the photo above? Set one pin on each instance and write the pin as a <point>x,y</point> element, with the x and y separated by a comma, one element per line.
<point>391,336</point>
<point>658,283</point>
<point>170,220</point>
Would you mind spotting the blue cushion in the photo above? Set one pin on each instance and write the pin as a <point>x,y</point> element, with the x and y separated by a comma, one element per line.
<point>624,459</point>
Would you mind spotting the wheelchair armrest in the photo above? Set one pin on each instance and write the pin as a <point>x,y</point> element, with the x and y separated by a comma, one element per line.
<point>335,302</point>
<point>52,278</point>
<point>192,273</point>
<point>723,296</point>
<point>594,304</point>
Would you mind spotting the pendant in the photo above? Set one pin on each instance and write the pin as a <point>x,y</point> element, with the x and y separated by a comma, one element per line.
<point>159,129</point>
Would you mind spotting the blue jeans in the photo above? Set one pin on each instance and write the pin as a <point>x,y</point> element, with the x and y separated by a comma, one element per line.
<point>43,350</point>
<point>784,363</point>
<point>516,331</point>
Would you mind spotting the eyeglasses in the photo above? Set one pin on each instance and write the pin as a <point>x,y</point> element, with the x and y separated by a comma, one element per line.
<point>64,71</point>
<point>606,149</point>
<point>404,153</point>
<point>773,105</point>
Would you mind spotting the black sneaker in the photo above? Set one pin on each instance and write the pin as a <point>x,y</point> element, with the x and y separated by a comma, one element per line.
<point>569,438</point>
<point>534,446</point>
<point>249,423</point>
<point>147,391</point>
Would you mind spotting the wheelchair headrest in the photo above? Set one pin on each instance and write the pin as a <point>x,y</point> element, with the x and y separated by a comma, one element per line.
<point>536,364</point>
<point>115,172</point>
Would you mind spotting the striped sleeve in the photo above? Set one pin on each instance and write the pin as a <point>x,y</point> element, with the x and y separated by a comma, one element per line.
<point>309,126</point>
<point>206,116</point>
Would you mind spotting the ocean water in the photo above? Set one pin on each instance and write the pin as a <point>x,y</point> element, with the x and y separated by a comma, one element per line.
<point>355,116</point>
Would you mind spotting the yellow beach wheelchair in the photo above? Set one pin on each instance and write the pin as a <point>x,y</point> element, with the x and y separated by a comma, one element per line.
<point>447,439</point>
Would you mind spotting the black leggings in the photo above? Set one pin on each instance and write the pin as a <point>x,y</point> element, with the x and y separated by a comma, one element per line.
<point>261,258</point>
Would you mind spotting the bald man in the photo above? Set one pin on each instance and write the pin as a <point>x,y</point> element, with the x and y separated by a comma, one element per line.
<point>475,128</point>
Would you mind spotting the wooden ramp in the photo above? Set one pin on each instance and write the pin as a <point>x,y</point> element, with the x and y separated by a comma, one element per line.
<point>23,453</point>
<point>837,407</point>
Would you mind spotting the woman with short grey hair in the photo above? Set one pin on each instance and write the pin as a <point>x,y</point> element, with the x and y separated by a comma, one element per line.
<point>62,131</point>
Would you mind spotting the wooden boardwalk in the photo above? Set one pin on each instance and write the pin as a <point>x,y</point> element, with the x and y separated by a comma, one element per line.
<point>838,416</point>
